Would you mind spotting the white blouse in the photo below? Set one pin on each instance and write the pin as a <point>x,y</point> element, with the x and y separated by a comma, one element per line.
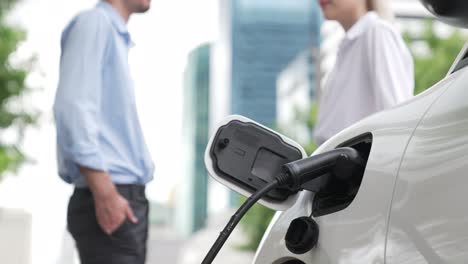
<point>374,71</point>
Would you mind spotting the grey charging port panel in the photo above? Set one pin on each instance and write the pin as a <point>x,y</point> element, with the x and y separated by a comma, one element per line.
<point>251,156</point>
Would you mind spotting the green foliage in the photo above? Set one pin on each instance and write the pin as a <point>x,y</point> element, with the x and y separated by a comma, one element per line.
<point>254,225</point>
<point>12,86</point>
<point>433,66</point>
<point>310,121</point>
<point>5,5</point>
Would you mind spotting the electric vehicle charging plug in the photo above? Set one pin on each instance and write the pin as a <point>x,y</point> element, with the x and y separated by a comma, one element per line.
<point>340,162</point>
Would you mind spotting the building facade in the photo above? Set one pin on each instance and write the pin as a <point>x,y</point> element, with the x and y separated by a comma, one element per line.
<point>258,39</point>
<point>296,94</point>
<point>191,210</point>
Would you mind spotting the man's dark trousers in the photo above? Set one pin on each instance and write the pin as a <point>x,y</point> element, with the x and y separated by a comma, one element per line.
<point>127,245</point>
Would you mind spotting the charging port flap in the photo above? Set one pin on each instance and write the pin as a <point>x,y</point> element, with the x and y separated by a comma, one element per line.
<point>246,156</point>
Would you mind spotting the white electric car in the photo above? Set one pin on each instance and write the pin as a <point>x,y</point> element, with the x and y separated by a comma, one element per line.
<point>408,202</point>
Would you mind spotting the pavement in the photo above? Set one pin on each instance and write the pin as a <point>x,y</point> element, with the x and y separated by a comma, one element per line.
<point>163,246</point>
<point>166,248</point>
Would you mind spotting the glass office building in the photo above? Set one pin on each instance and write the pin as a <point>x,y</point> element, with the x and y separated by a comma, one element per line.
<point>191,208</point>
<point>265,37</point>
<point>258,39</point>
<point>296,93</point>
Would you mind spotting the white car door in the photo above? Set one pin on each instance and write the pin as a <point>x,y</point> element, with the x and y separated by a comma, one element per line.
<point>429,214</point>
<point>357,234</point>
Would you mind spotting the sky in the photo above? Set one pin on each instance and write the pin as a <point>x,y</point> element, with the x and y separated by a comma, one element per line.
<point>164,36</point>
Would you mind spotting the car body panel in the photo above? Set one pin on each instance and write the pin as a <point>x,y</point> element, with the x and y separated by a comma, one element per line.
<point>429,216</point>
<point>358,233</point>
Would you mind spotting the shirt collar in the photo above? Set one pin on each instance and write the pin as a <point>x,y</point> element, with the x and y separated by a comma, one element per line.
<point>117,21</point>
<point>361,25</point>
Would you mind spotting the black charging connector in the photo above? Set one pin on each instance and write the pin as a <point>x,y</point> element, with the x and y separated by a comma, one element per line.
<point>340,162</point>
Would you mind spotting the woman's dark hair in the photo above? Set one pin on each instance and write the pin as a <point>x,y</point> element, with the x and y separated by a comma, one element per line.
<point>370,5</point>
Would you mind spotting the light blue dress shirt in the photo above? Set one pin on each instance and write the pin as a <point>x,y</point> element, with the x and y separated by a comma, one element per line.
<point>95,112</point>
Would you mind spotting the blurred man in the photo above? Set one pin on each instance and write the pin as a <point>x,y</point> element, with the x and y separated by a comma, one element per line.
<point>100,145</point>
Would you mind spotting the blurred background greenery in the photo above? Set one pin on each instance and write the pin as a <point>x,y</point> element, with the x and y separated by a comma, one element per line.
<point>433,55</point>
<point>437,55</point>
<point>13,117</point>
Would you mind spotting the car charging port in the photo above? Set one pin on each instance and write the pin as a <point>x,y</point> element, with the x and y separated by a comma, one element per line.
<point>336,191</point>
<point>293,176</point>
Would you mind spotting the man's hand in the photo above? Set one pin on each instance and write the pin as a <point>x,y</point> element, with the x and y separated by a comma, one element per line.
<point>111,212</point>
<point>111,208</point>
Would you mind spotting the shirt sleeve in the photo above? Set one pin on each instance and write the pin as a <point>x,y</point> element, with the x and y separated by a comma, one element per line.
<point>78,98</point>
<point>391,68</point>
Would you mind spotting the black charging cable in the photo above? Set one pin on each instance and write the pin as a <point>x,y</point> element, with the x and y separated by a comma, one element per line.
<point>235,219</point>
<point>294,175</point>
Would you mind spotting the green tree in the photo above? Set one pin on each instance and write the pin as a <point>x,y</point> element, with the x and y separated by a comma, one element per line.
<point>431,66</point>
<point>12,86</point>
<point>254,225</point>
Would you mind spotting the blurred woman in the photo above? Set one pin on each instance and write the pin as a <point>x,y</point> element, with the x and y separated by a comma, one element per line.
<point>373,71</point>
